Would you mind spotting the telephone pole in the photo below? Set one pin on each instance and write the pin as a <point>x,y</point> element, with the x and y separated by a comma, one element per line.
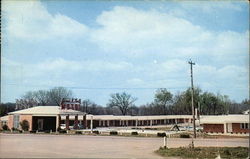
<point>192,96</point>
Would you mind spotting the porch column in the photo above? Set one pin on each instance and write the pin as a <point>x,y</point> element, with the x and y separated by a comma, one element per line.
<point>58,121</point>
<point>225,128</point>
<point>120,122</point>
<point>108,123</point>
<point>151,122</point>
<point>67,122</point>
<point>100,123</point>
<point>76,122</point>
<point>136,123</point>
<point>91,123</point>
<point>84,122</point>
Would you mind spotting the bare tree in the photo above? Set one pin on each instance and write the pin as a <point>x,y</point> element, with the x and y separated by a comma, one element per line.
<point>123,101</point>
<point>42,97</point>
<point>56,94</point>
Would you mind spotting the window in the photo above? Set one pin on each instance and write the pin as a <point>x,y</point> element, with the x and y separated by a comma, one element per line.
<point>244,126</point>
<point>16,121</point>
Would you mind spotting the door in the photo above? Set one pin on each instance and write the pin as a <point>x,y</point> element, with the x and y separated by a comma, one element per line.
<point>40,124</point>
<point>229,127</point>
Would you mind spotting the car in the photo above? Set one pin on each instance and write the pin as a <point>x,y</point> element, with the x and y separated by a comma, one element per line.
<point>63,126</point>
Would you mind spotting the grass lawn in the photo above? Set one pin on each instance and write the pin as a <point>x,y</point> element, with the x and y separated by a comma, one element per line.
<point>205,152</point>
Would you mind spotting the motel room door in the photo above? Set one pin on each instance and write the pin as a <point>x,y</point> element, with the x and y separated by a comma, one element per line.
<point>229,128</point>
<point>40,124</point>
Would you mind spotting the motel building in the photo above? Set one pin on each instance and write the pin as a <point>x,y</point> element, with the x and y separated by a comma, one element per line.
<point>43,118</point>
<point>67,116</point>
<point>226,124</point>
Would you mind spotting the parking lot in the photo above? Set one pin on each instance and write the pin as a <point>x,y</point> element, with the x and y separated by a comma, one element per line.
<point>86,146</point>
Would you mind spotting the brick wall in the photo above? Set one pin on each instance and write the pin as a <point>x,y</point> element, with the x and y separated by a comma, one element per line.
<point>10,121</point>
<point>236,128</point>
<point>28,118</point>
<point>213,128</point>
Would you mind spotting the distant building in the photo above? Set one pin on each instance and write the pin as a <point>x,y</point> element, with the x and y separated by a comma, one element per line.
<point>226,124</point>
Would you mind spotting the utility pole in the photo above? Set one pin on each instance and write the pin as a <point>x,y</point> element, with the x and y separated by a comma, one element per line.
<point>192,96</point>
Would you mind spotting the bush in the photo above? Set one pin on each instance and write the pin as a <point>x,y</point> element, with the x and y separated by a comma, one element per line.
<point>63,131</point>
<point>33,131</point>
<point>96,132</point>
<point>14,129</point>
<point>5,127</point>
<point>25,125</point>
<point>184,136</point>
<point>46,131</point>
<point>161,134</point>
<point>134,133</point>
<point>78,132</point>
<point>113,133</point>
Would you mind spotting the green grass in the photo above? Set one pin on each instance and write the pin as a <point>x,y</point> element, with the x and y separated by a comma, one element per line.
<point>205,152</point>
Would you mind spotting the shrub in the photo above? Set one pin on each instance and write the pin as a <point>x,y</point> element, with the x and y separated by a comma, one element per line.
<point>96,132</point>
<point>25,125</point>
<point>46,131</point>
<point>14,129</point>
<point>161,134</point>
<point>134,133</point>
<point>184,136</point>
<point>113,133</point>
<point>5,127</point>
<point>63,131</point>
<point>78,132</point>
<point>33,131</point>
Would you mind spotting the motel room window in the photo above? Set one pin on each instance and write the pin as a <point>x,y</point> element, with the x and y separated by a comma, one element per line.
<point>244,126</point>
<point>16,121</point>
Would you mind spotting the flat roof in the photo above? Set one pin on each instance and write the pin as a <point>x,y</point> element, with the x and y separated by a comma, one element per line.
<point>46,110</point>
<point>221,119</point>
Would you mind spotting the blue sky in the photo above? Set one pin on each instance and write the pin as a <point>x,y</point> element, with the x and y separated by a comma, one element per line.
<point>97,48</point>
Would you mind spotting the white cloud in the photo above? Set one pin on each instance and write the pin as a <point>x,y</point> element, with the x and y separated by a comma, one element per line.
<point>30,20</point>
<point>58,67</point>
<point>140,33</point>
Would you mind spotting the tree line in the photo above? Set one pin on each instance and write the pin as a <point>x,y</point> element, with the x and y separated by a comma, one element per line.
<point>164,103</point>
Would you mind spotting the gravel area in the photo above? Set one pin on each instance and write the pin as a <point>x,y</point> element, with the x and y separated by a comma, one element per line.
<point>86,146</point>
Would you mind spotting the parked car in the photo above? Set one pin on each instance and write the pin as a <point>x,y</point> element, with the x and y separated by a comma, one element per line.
<point>63,126</point>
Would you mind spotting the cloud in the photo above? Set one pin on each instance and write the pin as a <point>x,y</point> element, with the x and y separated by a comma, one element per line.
<point>149,32</point>
<point>58,67</point>
<point>30,20</point>
<point>211,6</point>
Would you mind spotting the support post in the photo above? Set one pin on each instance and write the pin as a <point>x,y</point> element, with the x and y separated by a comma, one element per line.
<point>91,124</point>
<point>67,122</point>
<point>76,122</point>
<point>165,142</point>
<point>84,122</point>
<point>58,122</point>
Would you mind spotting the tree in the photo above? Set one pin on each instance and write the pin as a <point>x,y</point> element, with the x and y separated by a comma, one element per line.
<point>163,98</point>
<point>25,125</point>
<point>123,101</point>
<point>56,95</point>
<point>42,97</point>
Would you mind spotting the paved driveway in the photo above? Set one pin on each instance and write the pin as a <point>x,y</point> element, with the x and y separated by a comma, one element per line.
<point>83,146</point>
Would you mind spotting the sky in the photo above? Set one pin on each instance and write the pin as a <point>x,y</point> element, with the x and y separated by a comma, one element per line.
<point>96,48</point>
